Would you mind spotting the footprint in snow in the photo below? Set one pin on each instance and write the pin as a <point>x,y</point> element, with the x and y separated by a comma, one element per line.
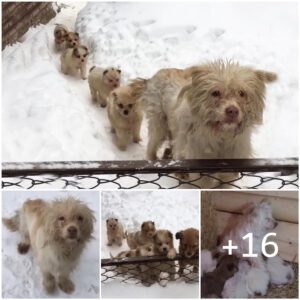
<point>143,23</point>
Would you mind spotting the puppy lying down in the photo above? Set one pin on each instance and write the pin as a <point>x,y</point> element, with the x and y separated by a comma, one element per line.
<point>57,232</point>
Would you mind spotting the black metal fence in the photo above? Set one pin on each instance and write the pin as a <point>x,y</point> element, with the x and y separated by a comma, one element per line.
<point>149,270</point>
<point>163,174</point>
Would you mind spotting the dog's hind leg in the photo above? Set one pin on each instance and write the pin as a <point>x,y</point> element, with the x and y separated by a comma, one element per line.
<point>158,132</point>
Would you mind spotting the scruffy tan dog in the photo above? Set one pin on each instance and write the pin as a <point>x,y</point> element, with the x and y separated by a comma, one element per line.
<point>125,115</point>
<point>115,232</point>
<point>188,248</point>
<point>142,237</point>
<point>57,232</point>
<point>163,243</point>
<point>74,60</point>
<point>60,37</point>
<point>208,112</point>
<point>102,82</point>
<point>72,39</point>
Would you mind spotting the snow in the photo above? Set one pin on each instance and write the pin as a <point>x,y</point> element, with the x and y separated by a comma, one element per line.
<point>48,116</point>
<point>172,210</point>
<point>21,277</point>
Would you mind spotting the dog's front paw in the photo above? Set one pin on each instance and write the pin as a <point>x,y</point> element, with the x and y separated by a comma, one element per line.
<point>66,285</point>
<point>171,253</point>
<point>49,284</point>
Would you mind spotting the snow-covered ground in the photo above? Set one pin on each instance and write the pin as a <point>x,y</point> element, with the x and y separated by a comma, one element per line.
<point>48,116</point>
<point>21,277</point>
<point>172,210</point>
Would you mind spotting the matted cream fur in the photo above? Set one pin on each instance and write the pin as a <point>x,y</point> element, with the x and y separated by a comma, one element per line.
<point>207,112</point>
<point>57,232</point>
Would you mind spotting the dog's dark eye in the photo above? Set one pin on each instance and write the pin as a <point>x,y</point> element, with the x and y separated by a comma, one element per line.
<point>149,249</point>
<point>120,105</point>
<point>216,93</point>
<point>110,80</point>
<point>80,218</point>
<point>85,55</point>
<point>242,94</point>
<point>159,244</point>
<point>61,218</point>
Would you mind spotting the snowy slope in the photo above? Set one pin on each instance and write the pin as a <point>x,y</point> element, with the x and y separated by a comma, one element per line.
<point>172,210</point>
<point>49,116</point>
<point>21,277</point>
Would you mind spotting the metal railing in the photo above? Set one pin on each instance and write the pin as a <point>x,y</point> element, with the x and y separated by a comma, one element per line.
<point>164,174</point>
<point>149,270</point>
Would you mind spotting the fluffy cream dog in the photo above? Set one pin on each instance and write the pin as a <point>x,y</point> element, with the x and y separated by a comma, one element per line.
<point>72,39</point>
<point>74,60</point>
<point>125,115</point>
<point>142,237</point>
<point>207,112</point>
<point>60,37</point>
<point>57,232</point>
<point>102,82</point>
<point>115,232</point>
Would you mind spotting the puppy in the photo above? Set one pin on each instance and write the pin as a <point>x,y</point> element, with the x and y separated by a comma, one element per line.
<point>280,271</point>
<point>102,82</point>
<point>208,262</point>
<point>257,219</point>
<point>125,115</point>
<point>57,232</point>
<point>141,270</point>
<point>72,40</point>
<point>188,248</point>
<point>142,237</point>
<point>212,283</point>
<point>60,37</point>
<point>237,286</point>
<point>207,112</point>
<point>74,60</point>
<point>115,232</point>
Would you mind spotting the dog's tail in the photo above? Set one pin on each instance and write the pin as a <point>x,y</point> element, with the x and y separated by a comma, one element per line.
<point>92,68</point>
<point>138,87</point>
<point>13,223</point>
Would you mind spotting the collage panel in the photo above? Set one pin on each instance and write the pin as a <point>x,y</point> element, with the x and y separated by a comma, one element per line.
<point>50,244</point>
<point>150,244</point>
<point>249,244</point>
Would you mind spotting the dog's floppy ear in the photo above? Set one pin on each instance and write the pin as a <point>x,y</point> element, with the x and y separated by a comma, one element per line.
<point>266,76</point>
<point>178,235</point>
<point>77,34</point>
<point>143,225</point>
<point>116,220</point>
<point>170,234</point>
<point>119,71</point>
<point>105,72</point>
<point>114,95</point>
<point>107,220</point>
<point>153,223</point>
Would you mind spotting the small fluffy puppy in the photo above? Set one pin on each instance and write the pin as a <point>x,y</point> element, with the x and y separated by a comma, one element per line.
<point>212,283</point>
<point>142,237</point>
<point>237,286</point>
<point>258,219</point>
<point>125,115</point>
<point>207,112</point>
<point>74,60</point>
<point>115,232</point>
<point>72,40</point>
<point>163,243</point>
<point>57,232</point>
<point>136,269</point>
<point>60,37</point>
<point>188,248</point>
<point>280,271</point>
<point>208,262</point>
<point>102,82</point>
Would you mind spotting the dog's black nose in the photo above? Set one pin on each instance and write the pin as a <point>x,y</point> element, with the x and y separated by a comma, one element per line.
<point>165,249</point>
<point>126,112</point>
<point>189,253</point>
<point>72,230</point>
<point>232,112</point>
